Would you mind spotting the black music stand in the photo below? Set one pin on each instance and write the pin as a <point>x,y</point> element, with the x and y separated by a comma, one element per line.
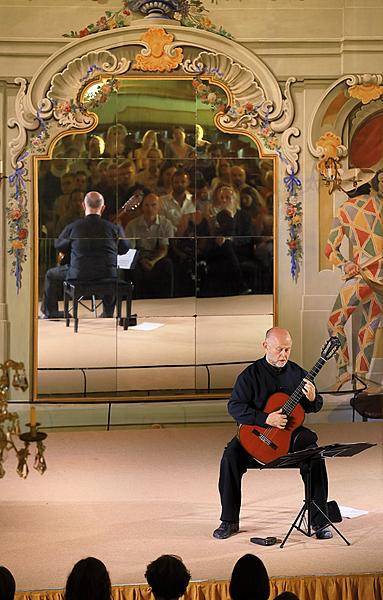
<point>296,459</point>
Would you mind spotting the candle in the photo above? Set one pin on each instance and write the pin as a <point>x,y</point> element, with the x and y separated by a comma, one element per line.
<point>33,416</point>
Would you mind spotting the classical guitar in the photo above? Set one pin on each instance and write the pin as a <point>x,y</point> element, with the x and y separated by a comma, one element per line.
<point>265,444</point>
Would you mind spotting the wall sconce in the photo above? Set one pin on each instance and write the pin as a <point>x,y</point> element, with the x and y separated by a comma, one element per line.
<point>10,426</point>
<point>331,175</point>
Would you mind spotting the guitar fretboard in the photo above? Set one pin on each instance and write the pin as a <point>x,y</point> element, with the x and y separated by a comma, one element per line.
<point>293,400</point>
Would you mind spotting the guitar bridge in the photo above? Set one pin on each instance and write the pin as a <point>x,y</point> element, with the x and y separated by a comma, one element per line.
<point>265,439</point>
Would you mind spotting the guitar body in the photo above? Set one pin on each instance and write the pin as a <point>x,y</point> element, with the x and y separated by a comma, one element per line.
<point>265,444</point>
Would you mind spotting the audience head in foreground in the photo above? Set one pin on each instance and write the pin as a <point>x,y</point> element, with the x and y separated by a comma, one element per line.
<point>88,580</point>
<point>249,579</point>
<point>168,577</point>
<point>286,596</point>
<point>7,584</point>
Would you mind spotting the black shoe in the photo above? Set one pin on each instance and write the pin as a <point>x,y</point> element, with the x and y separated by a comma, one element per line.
<point>225,530</point>
<point>322,533</point>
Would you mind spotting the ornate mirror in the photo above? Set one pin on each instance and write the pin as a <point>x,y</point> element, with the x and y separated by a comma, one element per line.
<point>205,135</point>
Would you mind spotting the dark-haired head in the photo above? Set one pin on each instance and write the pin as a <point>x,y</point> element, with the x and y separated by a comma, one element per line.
<point>88,580</point>
<point>249,579</point>
<point>168,577</point>
<point>7,584</point>
<point>286,596</point>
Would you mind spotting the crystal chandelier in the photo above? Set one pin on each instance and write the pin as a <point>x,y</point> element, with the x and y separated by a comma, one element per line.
<point>10,426</point>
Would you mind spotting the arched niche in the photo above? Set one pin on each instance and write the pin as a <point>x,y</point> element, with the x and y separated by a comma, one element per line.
<point>255,108</point>
<point>351,106</point>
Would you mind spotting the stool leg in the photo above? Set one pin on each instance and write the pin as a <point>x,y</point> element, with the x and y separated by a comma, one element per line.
<point>128,312</point>
<point>66,308</point>
<point>75,313</point>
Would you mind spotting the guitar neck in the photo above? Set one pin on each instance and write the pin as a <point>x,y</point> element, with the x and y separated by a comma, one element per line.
<point>293,400</point>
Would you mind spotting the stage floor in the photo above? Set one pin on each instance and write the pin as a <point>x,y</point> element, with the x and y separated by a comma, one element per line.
<point>128,496</point>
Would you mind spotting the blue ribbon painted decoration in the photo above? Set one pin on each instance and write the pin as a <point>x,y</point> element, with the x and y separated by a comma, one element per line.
<point>17,179</point>
<point>89,72</point>
<point>291,182</point>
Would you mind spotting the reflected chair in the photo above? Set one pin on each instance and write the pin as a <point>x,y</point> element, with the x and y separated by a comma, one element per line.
<point>78,291</point>
<point>368,406</point>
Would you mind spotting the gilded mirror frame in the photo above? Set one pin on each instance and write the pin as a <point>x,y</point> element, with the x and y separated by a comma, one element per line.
<point>246,81</point>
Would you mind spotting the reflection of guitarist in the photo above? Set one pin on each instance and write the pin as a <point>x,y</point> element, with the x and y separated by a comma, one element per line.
<point>268,375</point>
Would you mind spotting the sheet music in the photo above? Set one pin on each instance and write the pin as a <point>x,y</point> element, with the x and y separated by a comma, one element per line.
<point>124,261</point>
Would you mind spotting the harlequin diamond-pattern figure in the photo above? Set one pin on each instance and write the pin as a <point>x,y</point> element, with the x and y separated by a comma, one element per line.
<point>360,220</point>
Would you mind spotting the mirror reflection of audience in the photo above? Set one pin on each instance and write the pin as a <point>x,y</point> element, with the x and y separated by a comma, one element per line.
<point>149,234</point>
<point>166,172</point>
<point>127,186</point>
<point>223,173</point>
<point>179,201</point>
<point>150,174</point>
<point>177,147</point>
<point>96,146</point>
<point>69,210</point>
<point>200,143</point>
<point>140,155</point>
<point>115,141</point>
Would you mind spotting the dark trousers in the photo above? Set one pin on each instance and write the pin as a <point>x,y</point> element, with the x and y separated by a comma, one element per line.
<point>157,283</point>
<point>235,462</point>
<point>53,292</point>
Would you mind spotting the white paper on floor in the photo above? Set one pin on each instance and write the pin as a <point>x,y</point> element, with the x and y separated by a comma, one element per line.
<point>147,326</point>
<point>350,513</point>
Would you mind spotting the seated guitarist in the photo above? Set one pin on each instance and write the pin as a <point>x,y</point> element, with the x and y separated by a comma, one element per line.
<point>266,376</point>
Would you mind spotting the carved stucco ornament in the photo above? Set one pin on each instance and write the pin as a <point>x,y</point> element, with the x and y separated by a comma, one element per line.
<point>365,87</point>
<point>366,92</point>
<point>330,151</point>
<point>158,54</point>
<point>244,88</point>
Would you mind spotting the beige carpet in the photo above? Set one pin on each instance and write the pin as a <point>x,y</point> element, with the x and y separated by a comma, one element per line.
<point>129,496</point>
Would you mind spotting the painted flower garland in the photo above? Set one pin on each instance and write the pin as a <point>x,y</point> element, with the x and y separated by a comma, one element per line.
<point>17,211</point>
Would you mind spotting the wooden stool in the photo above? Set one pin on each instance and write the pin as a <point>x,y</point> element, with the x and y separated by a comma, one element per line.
<point>77,291</point>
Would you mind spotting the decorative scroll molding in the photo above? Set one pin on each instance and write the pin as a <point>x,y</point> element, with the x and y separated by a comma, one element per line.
<point>365,112</point>
<point>159,54</point>
<point>365,87</point>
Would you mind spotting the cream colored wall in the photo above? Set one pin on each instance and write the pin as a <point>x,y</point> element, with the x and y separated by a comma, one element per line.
<point>313,41</point>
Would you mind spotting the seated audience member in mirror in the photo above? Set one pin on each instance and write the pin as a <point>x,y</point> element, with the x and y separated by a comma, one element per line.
<point>249,579</point>
<point>92,245</point>
<point>89,578</point>
<point>201,144</point>
<point>150,175</point>
<point>69,211</point>
<point>177,147</point>
<point>7,584</point>
<point>115,141</point>
<point>149,234</point>
<point>167,577</point>
<point>140,155</point>
<point>179,201</point>
<point>166,172</point>
<point>96,146</point>
<point>223,173</point>
<point>208,166</point>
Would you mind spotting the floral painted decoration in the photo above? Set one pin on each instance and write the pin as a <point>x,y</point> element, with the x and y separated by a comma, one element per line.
<point>214,97</point>
<point>92,100</point>
<point>18,221</point>
<point>293,216</point>
<point>110,20</point>
<point>192,13</point>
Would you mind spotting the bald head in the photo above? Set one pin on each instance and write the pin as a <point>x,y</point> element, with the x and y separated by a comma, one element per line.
<point>278,346</point>
<point>94,203</point>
